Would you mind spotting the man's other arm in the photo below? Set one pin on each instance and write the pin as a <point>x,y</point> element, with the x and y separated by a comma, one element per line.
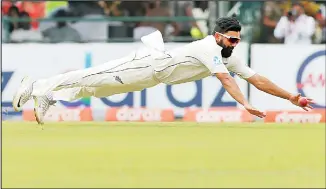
<point>264,84</point>
<point>233,89</point>
<point>267,86</point>
<point>260,82</point>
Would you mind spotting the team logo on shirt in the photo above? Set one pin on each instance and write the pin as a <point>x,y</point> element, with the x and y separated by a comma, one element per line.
<point>217,60</point>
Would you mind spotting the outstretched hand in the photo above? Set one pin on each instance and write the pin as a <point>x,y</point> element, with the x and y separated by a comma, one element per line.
<point>294,99</point>
<point>254,111</point>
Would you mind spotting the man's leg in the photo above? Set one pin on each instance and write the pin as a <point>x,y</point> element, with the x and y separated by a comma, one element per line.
<point>97,76</point>
<point>123,75</point>
<point>133,76</point>
<point>76,93</point>
<point>43,103</point>
<point>72,94</point>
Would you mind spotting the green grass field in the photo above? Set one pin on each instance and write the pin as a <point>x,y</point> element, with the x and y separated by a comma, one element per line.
<point>103,154</point>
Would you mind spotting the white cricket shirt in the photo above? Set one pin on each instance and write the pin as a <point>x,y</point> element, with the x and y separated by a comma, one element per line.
<point>191,62</point>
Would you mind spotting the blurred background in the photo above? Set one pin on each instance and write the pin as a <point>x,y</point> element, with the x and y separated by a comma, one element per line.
<point>283,40</point>
<point>105,21</point>
<point>105,142</point>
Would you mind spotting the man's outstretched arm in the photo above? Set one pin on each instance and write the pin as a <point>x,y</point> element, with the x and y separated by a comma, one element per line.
<point>265,85</point>
<point>233,89</point>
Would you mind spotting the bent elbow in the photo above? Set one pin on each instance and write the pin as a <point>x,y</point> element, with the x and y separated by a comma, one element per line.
<point>225,78</point>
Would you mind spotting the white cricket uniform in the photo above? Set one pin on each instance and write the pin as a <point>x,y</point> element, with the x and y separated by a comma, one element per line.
<point>142,69</point>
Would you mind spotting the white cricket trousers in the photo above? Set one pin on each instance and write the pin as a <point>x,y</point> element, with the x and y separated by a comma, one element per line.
<point>131,73</point>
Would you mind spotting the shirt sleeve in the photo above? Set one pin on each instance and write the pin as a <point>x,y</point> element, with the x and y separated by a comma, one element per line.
<point>214,63</point>
<point>280,29</point>
<point>212,60</point>
<point>207,52</point>
<point>307,27</point>
<point>239,68</point>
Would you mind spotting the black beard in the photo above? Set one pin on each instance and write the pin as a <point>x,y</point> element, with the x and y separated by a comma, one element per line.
<point>227,52</point>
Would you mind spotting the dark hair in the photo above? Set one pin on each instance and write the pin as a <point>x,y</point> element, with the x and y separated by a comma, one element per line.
<point>24,25</point>
<point>24,14</point>
<point>225,24</point>
<point>13,8</point>
<point>61,14</point>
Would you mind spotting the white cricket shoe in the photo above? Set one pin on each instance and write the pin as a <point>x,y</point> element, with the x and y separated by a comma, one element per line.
<point>23,94</point>
<point>42,105</point>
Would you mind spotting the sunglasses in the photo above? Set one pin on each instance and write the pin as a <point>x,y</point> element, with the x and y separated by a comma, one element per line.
<point>231,39</point>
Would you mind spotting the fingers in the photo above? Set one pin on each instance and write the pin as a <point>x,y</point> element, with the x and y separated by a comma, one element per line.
<point>262,114</point>
<point>310,101</point>
<point>309,106</point>
<point>306,109</point>
<point>258,113</point>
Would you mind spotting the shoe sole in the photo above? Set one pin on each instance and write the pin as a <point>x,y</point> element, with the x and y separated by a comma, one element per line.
<point>36,117</point>
<point>36,114</point>
<point>23,86</point>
